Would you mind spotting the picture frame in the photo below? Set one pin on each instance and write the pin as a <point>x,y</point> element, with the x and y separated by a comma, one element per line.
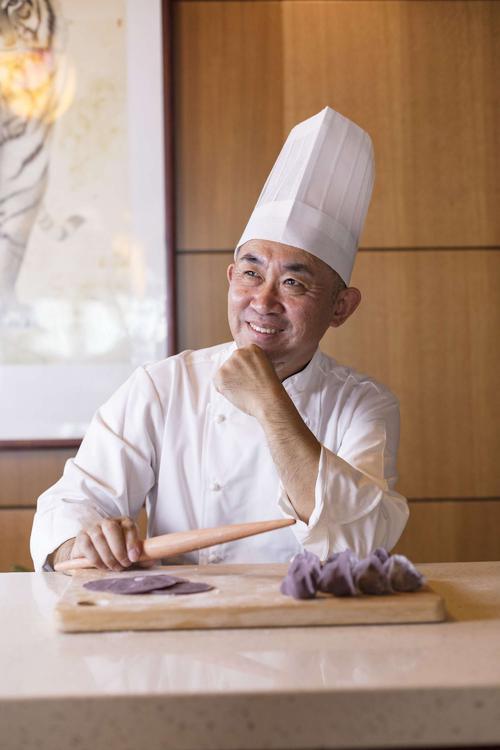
<point>93,297</point>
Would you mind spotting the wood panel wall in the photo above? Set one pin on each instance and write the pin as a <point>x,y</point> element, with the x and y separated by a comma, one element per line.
<point>24,475</point>
<point>422,78</point>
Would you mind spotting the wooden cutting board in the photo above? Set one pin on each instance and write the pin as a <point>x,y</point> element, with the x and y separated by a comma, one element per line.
<point>245,596</point>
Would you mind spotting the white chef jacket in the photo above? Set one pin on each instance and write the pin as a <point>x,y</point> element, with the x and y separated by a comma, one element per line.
<point>169,440</point>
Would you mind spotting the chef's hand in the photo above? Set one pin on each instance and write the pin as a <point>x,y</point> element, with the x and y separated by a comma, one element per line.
<point>248,380</point>
<point>112,544</point>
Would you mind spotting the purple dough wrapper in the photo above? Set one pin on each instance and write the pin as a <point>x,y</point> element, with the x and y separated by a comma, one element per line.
<point>301,580</point>
<point>184,587</point>
<point>336,576</point>
<point>139,584</point>
<point>371,577</point>
<point>332,558</point>
<point>382,554</point>
<point>402,574</point>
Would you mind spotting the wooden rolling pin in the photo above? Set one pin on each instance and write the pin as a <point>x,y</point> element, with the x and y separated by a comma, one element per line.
<point>168,545</point>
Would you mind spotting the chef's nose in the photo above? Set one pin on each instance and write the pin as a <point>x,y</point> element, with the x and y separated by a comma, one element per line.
<point>266,299</point>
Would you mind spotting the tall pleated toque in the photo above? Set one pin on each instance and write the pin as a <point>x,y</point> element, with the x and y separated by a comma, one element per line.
<point>318,192</point>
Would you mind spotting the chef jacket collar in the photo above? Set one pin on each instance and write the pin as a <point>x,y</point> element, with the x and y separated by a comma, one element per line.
<point>303,379</point>
<point>228,351</point>
<point>301,387</point>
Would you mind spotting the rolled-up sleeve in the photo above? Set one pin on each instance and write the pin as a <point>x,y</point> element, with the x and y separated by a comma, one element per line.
<point>112,473</point>
<point>356,505</point>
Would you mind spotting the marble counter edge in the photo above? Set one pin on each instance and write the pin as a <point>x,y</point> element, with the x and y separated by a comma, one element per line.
<point>271,720</point>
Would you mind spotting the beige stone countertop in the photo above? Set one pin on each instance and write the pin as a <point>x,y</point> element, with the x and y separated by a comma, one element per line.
<point>365,686</point>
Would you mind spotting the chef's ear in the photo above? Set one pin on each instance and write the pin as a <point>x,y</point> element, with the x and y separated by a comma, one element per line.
<point>229,272</point>
<point>346,302</point>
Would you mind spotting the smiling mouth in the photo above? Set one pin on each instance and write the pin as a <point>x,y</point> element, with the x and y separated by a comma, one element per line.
<point>264,330</point>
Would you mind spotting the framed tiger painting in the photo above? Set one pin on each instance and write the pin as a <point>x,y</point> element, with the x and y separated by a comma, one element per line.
<point>85,246</point>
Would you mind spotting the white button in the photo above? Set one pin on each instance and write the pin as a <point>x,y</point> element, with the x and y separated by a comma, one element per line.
<point>215,486</point>
<point>220,418</point>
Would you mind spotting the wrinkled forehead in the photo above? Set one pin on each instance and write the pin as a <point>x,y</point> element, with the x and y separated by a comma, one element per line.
<point>265,251</point>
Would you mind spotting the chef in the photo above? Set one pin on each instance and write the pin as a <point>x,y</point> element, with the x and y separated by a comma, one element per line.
<point>261,427</point>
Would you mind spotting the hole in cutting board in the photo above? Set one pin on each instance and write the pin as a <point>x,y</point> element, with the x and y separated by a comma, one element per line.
<point>86,604</point>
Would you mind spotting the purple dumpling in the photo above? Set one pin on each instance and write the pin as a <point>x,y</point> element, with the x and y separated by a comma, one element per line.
<point>336,574</point>
<point>301,580</point>
<point>370,576</point>
<point>402,574</point>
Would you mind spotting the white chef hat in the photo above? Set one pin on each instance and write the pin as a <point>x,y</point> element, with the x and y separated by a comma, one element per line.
<point>318,192</point>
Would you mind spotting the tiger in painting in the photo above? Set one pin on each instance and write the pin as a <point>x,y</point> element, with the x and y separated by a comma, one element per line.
<point>27,105</point>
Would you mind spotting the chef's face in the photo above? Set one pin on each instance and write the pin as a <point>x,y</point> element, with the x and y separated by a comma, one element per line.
<point>284,299</point>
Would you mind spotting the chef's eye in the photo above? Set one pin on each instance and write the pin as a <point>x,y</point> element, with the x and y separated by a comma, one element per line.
<point>251,274</point>
<point>292,282</point>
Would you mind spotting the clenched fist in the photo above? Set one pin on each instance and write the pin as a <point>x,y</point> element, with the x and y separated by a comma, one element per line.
<point>248,380</point>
